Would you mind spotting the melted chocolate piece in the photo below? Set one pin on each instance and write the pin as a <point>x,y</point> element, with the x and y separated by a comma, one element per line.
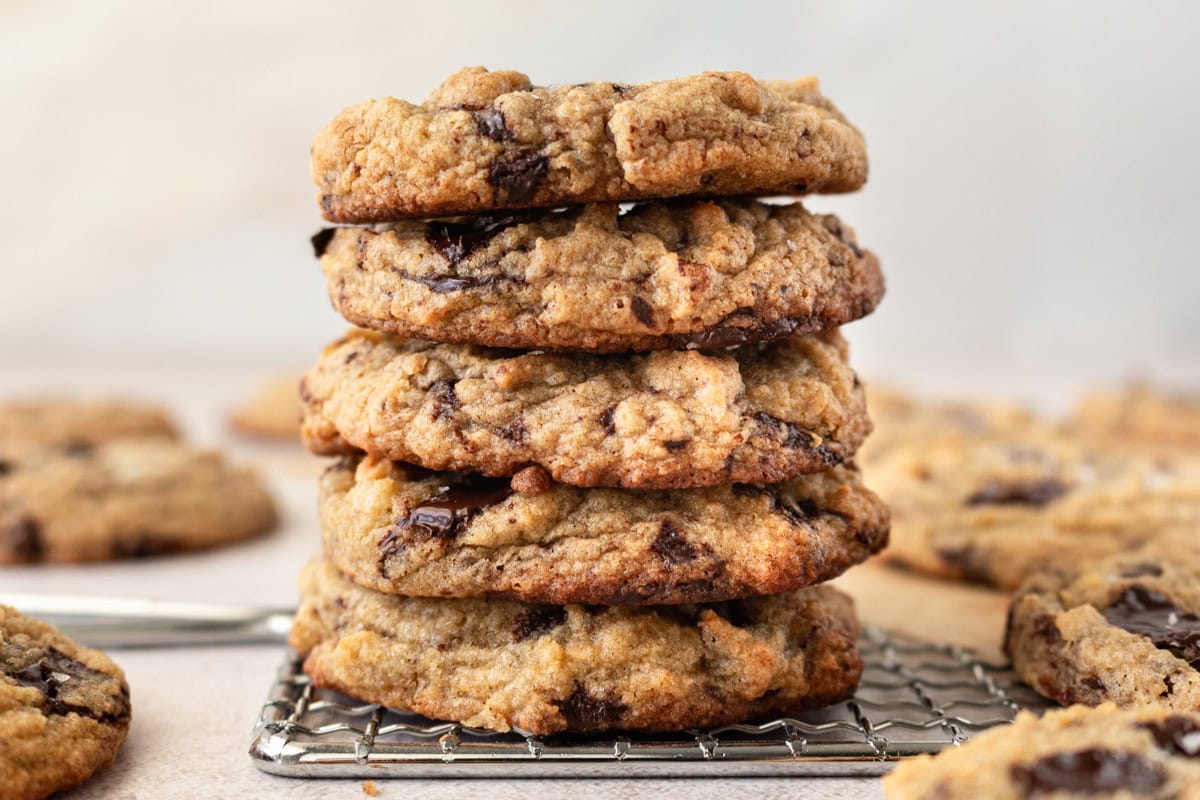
<point>797,438</point>
<point>457,240</point>
<point>642,310</point>
<point>733,330</point>
<point>672,546</point>
<point>586,712</point>
<point>321,239</point>
<point>1178,735</point>
<point>445,400</point>
<point>675,445</point>
<point>607,420</point>
<point>1092,771</point>
<point>444,515</point>
<point>1154,615</point>
<point>968,561</point>
<point>518,176</point>
<point>444,284</point>
<point>1034,493</point>
<point>537,621</point>
<point>492,124</point>
<point>23,539</point>
<point>6,467</point>
<point>53,670</point>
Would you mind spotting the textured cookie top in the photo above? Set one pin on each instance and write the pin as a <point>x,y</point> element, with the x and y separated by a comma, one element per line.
<point>400,529</point>
<point>64,709</point>
<point>996,510</point>
<point>1076,752</point>
<point>125,498</point>
<point>666,419</point>
<point>659,276</point>
<point>547,669</point>
<point>491,140</point>
<point>1125,628</point>
<point>53,422</point>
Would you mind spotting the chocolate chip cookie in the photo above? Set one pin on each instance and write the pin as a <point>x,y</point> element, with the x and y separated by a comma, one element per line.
<point>659,276</point>
<point>903,420</point>
<point>1125,628</point>
<point>547,669</point>
<point>57,422</point>
<point>401,529</point>
<point>661,420</point>
<point>492,140</point>
<point>996,511</point>
<point>122,499</point>
<point>64,709</point>
<point>272,412</point>
<point>1142,417</point>
<point>1076,752</point>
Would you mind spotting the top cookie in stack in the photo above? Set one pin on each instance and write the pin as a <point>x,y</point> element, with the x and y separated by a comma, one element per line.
<point>674,424</point>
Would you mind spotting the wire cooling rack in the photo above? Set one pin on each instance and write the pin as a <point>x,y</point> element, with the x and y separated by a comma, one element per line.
<point>914,697</point>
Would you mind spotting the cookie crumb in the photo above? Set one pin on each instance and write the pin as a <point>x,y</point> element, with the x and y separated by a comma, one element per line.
<point>370,789</point>
<point>532,480</point>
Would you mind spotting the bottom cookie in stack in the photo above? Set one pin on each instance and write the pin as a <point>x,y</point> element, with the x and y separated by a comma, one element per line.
<point>545,669</point>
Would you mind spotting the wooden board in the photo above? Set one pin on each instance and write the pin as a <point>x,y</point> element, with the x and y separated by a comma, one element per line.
<point>936,610</point>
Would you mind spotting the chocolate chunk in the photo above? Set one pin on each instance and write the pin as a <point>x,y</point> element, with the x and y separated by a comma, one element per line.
<point>53,670</point>
<point>442,516</point>
<point>321,239</point>
<point>671,545</point>
<point>585,712</point>
<point>327,204</point>
<point>23,539</point>
<point>537,621</point>
<point>491,123</point>
<point>1033,493</point>
<point>457,240</point>
<point>5,467</point>
<point>1090,771</point>
<point>145,545</point>
<point>607,420</point>
<point>739,327</point>
<point>77,449</point>
<point>518,176</point>
<point>797,438</point>
<point>1154,615</point>
<point>444,284</point>
<point>967,561</point>
<point>445,401</point>
<point>1141,570</point>
<point>1046,628</point>
<point>642,310</point>
<point>1177,735</point>
<point>675,445</point>
<point>515,432</point>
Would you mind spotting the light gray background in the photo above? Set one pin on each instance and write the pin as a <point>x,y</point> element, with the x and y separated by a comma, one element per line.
<point>1034,192</point>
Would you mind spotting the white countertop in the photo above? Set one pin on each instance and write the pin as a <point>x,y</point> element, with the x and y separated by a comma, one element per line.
<point>193,708</point>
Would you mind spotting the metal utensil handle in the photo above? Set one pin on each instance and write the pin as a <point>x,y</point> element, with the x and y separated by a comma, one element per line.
<point>116,622</point>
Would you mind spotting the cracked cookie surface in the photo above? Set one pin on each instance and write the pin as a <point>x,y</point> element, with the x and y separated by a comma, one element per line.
<point>660,276</point>
<point>996,511</point>
<point>663,420</point>
<point>124,499</point>
<point>1079,752</point>
<point>492,140</point>
<point>64,709</point>
<point>1125,628</point>
<point>548,669</point>
<point>400,529</point>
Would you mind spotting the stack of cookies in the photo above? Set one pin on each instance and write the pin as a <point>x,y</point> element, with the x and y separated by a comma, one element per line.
<point>595,457</point>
